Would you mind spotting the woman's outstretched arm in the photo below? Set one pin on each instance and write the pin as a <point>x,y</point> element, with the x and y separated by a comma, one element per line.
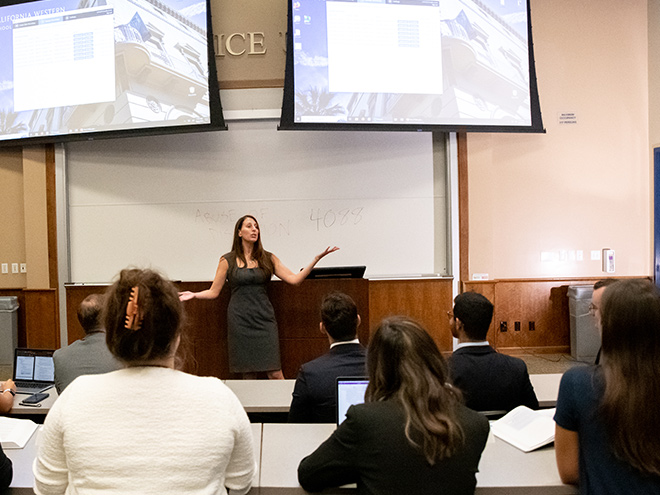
<point>296,278</point>
<point>216,286</point>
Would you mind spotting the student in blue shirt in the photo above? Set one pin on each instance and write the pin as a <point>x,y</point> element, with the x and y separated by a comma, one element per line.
<point>607,437</point>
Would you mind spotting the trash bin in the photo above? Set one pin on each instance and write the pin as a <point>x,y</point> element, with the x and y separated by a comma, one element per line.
<point>8,331</point>
<point>585,337</point>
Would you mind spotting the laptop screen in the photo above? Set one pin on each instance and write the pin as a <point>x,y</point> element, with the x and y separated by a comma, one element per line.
<point>34,365</point>
<point>350,391</point>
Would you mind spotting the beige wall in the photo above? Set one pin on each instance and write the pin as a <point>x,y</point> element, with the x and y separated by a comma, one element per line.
<point>36,216</point>
<point>12,226</point>
<point>579,187</point>
<point>654,73</point>
<point>24,225</point>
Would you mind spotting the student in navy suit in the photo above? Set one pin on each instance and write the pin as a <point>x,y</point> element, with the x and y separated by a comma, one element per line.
<point>314,395</point>
<point>490,381</point>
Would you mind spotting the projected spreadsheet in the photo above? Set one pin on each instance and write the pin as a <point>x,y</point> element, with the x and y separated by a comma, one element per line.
<point>64,59</point>
<point>384,47</point>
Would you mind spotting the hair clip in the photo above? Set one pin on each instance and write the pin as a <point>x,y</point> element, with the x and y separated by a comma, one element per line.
<point>133,319</point>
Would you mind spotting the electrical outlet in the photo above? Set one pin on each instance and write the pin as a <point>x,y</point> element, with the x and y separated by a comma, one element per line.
<point>5,268</point>
<point>532,326</point>
<point>14,267</point>
<point>516,326</point>
<point>503,326</point>
<point>23,267</point>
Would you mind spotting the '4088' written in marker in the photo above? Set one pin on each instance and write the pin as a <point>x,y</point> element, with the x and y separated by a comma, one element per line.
<point>331,218</point>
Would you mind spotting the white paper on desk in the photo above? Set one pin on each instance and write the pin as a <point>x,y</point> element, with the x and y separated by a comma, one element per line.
<point>525,428</point>
<point>15,433</point>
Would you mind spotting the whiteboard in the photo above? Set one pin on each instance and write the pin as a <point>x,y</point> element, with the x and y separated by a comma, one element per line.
<point>171,202</point>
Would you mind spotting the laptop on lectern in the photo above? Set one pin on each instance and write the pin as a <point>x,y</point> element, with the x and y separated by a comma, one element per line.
<point>34,370</point>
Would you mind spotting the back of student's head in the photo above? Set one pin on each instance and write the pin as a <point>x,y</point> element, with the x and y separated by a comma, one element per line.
<point>339,316</point>
<point>630,408</point>
<point>89,312</point>
<point>605,282</point>
<point>405,365</point>
<point>475,312</point>
<point>630,317</point>
<point>143,328</point>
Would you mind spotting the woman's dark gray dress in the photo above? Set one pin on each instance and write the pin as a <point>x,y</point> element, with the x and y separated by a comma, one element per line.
<point>252,329</point>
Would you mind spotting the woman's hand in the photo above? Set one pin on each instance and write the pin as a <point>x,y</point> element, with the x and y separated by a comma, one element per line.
<point>8,384</point>
<point>327,251</point>
<point>186,295</point>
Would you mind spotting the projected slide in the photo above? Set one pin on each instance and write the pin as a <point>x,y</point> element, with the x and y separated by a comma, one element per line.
<point>453,62</point>
<point>79,66</point>
<point>77,50</point>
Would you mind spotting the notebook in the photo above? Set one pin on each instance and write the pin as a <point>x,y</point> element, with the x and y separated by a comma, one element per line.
<point>33,370</point>
<point>350,391</point>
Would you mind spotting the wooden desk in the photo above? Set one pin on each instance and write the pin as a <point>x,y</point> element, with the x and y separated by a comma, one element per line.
<point>45,405</point>
<point>257,436</point>
<point>546,387</point>
<point>274,396</point>
<point>503,468</point>
<point>263,396</point>
<point>22,459</point>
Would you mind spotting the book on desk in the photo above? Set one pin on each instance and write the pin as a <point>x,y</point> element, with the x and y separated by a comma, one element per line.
<point>525,428</point>
<point>15,433</point>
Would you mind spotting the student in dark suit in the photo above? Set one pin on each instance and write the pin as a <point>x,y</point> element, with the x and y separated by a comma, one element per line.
<point>314,394</point>
<point>489,381</point>
<point>412,435</point>
<point>89,355</point>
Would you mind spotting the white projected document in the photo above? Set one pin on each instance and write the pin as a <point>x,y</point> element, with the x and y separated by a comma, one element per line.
<point>384,48</point>
<point>64,59</point>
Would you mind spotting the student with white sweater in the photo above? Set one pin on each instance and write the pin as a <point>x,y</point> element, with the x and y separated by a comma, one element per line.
<point>147,428</point>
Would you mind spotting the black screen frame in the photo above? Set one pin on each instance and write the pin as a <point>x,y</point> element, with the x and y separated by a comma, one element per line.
<point>288,123</point>
<point>217,122</point>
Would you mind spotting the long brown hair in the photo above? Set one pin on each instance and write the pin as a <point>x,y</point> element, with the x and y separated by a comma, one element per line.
<point>263,257</point>
<point>630,408</point>
<point>405,365</point>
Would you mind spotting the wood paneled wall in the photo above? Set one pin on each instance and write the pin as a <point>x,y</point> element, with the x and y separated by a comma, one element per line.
<point>542,302</point>
<point>204,348</point>
<point>426,300</point>
<point>38,317</point>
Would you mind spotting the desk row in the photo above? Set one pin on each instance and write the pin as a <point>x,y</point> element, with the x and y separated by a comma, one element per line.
<point>279,449</point>
<point>274,396</point>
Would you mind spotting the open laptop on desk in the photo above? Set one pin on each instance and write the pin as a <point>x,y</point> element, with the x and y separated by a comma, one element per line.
<point>33,370</point>
<point>350,391</point>
<point>321,272</point>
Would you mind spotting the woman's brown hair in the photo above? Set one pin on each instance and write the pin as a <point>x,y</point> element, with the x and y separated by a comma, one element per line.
<point>159,316</point>
<point>405,365</point>
<point>263,257</point>
<point>630,408</point>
